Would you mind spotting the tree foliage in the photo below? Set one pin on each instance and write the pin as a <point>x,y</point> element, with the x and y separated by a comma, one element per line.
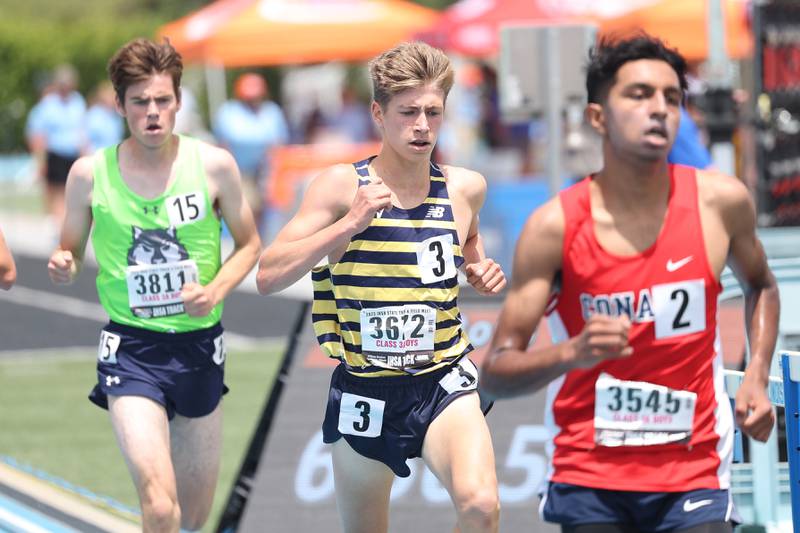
<point>37,35</point>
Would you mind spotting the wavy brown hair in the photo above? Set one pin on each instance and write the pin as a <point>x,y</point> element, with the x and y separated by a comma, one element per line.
<point>141,58</point>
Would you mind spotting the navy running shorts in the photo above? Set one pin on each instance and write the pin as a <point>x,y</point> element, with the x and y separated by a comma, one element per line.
<point>181,371</point>
<point>573,505</point>
<point>386,418</point>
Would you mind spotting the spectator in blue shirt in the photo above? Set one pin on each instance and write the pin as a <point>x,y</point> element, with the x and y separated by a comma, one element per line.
<point>689,148</point>
<point>104,126</point>
<point>353,122</point>
<point>56,135</point>
<point>249,127</point>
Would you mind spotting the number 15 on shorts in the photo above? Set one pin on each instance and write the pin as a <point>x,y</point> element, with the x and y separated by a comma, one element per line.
<point>359,415</point>
<point>107,350</point>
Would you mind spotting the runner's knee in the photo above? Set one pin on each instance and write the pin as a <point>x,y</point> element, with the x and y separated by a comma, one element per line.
<point>160,505</point>
<point>478,504</point>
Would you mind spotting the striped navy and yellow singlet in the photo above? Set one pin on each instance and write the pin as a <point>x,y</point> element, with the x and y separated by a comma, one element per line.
<point>397,286</point>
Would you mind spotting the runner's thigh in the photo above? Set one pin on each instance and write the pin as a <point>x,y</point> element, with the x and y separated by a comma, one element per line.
<point>458,447</point>
<point>363,486</point>
<point>140,425</point>
<point>196,449</point>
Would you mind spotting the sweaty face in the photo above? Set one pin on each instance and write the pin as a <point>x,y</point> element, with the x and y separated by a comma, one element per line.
<point>642,110</point>
<point>411,120</point>
<point>150,107</point>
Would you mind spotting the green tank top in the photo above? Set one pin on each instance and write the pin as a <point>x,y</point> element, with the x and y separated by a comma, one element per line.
<point>147,249</point>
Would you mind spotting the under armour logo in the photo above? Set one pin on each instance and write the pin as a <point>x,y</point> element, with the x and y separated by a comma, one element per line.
<point>154,210</point>
<point>112,380</point>
<point>435,211</point>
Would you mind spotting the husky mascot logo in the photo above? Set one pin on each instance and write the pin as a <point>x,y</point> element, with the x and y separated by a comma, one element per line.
<point>156,246</point>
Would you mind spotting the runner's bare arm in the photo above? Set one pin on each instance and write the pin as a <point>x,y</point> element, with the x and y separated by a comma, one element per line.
<point>333,209</point>
<point>748,261</point>
<point>510,369</point>
<point>483,273</point>
<point>224,175</point>
<point>8,270</point>
<point>66,260</point>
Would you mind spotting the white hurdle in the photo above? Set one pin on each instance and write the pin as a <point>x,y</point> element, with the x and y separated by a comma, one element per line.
<point>764,477</point>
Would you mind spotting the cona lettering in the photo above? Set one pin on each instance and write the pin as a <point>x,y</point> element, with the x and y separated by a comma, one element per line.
<point>639,308</point>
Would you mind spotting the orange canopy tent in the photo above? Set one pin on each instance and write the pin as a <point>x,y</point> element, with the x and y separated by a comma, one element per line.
<point>279,32</point>
<point>683,24</point>
<point>189,33</point>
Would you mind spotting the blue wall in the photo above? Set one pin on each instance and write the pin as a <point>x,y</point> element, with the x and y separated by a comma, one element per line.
<point>507,207</point>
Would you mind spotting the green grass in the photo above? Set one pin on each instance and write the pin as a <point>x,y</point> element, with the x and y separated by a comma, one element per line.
<point>22,199</point>
<point>47,423</point>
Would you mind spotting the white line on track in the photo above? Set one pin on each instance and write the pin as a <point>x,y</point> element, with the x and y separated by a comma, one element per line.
<point>17,521</point>
<point>56,303</point>
<point>68,305</point>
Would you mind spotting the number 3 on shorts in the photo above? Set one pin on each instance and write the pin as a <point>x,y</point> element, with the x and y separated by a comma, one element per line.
<point>463,377</point>
<point>107,350</point>
<point>359,415</point>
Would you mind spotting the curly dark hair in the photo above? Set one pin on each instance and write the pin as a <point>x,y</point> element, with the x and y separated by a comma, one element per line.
<point>610,53</point>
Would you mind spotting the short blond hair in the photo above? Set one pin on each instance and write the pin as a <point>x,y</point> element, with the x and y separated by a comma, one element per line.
<point>409,66</point>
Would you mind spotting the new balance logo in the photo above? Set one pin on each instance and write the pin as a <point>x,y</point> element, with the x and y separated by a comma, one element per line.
<point>112,380</point>
<point>435,211</point>
<point>689,505</point>
<point>672,266</point>
<point>153,209</point>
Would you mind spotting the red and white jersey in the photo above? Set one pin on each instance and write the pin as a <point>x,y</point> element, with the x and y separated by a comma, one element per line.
<point>659,420</point>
